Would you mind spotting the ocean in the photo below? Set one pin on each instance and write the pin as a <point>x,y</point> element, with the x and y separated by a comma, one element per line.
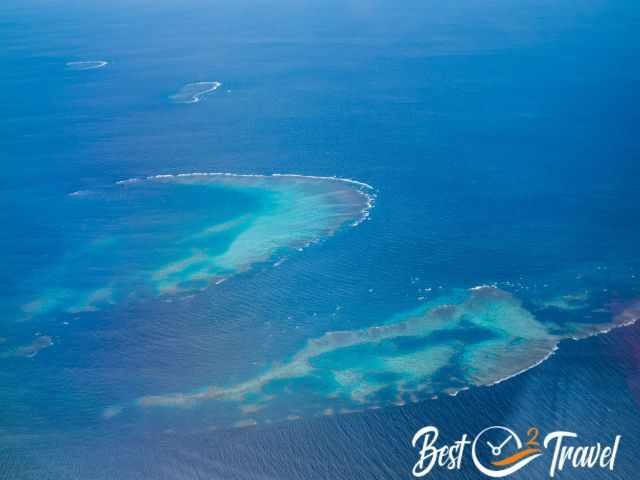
<point>275,239</point>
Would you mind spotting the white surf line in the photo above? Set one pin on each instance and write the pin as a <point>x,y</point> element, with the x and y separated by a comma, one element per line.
<point>627,312</point>
<point>365,212</point>
<point>86,64</point>
<point>195,97</point>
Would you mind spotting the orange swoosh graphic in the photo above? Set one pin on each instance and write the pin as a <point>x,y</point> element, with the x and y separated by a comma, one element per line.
<point>515,457</point>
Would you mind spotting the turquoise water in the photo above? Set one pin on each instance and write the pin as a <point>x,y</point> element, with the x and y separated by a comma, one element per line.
<point>165,235</point>
<point>467,338</point>
<point>148,312</point>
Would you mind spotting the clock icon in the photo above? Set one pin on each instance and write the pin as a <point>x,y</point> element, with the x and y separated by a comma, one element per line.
<point>498,451</point>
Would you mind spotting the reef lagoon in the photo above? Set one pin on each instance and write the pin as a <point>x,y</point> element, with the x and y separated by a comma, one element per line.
<point>422,216</point>
<point>194,92</point>
<point>169,234</point>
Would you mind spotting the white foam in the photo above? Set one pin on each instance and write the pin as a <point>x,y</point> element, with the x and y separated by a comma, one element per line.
<point>86,65</point>
<point>526,369</point>
<point>632,318</point>
<point>128,181</point>
<point>479,288</point>
<point>185,95</point>
<point>363,188</point>
<point>80,193</point>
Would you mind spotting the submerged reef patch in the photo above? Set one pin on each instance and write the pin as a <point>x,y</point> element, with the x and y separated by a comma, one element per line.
<point>194,92</point>
<point>468,338</point>
<point>29,350</point>
<point>182,233</point>
<point>86,65</point>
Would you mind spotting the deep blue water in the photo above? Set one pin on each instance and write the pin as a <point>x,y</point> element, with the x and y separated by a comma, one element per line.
<point>500,139</point>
